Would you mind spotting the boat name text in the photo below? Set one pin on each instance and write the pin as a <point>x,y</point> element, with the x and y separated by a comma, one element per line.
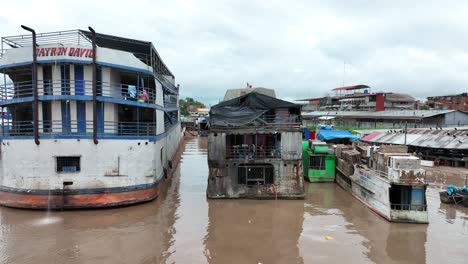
<point>65,51</point>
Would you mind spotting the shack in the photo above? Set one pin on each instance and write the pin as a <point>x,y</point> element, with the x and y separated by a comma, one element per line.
<point>254,149</point>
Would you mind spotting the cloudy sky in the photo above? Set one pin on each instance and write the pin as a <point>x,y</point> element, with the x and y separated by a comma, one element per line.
<point>296,47</point>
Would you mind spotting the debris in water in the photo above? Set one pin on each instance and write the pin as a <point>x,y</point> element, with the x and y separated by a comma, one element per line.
<point>328,238</point>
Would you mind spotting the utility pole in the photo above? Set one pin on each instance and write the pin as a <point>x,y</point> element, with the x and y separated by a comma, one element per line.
<point>406,125</point>
<point>344,72</point>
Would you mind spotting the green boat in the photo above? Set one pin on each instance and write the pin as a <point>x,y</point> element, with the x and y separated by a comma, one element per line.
<point>319,165</point>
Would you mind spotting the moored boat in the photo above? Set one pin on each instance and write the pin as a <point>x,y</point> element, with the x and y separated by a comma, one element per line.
<point>318,163</point>
<point>450,199</point>
<point>391,183</point>
<point>254,148</point>
<point>94,121</point>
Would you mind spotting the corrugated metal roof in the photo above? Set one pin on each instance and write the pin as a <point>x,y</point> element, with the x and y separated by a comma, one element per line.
<point>446,139</point>
<point>417,114</point>
<point>352,87</point>
<point>371,136</point>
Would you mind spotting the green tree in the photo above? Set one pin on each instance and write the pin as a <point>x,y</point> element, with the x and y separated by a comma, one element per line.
<point>185,103</point>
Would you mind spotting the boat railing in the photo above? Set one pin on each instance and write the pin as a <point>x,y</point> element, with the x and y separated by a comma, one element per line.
<point>78,128</point>
<point>278,121</point>
<point>82,88</point>
<point>169,122</point>
<point>366,171</point>
<point>408,207</point>
<point>245,151</point>
<point>16,90</point>
<point>170,101</point>
<point>129,128</point>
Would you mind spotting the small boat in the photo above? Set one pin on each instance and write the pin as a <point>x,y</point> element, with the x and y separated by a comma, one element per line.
<point>450,199</point>
<point>318,164</point>
<point>465,200</point>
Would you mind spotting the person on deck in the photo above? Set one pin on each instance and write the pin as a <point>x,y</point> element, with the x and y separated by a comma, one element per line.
<point>144,96</point>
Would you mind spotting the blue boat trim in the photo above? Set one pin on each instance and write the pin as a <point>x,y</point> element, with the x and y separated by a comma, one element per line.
<point>118,66</point>
<point>87,98</point>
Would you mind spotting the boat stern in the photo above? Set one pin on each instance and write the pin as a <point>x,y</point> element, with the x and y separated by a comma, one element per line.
<point>409,216</point>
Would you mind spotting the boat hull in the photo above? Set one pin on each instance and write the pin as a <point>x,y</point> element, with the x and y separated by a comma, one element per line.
<point>320,179</point>
<point>58,199</point>
<point>358,191</point>
<point>450,199</point>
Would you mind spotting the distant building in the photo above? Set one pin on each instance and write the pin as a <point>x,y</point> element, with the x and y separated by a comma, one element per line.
<point>451,102</point>
<point>360,98</point>
<point>388,119</point>
<point>444,147</point>
<point>203,111</point>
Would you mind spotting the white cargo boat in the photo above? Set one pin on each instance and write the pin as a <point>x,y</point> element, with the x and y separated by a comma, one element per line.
<point>390,184</point>
<point>93,120</point>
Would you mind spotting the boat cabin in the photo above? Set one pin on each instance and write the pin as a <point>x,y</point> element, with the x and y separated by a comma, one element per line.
<point>254,148</point>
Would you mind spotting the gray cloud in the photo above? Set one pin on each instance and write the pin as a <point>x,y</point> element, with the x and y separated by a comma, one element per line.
<point>295,47</point>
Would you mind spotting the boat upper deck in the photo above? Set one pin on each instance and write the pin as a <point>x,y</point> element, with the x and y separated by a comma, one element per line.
<point>143,50</point>
<point>124,89</point>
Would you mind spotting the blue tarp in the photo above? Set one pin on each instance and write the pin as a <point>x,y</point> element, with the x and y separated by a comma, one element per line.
<point>464,189</point>
<point>325,127</point>
<point>335,134</point>
<point>306,134</point>
<point>451,189</point>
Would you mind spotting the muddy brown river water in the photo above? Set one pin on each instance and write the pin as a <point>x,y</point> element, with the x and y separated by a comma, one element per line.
<point>182,226</point>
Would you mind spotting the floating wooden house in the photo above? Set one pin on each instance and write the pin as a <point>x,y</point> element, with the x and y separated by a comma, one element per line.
<point>254,149</point>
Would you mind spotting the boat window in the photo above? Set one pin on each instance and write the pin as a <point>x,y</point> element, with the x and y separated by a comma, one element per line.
<point>22,115</point>
<point>68,164</point>
<point>253,146</point>
<point>255,174</point>
<point>47,79</point>
<point>65,75</point>
<point>317,162</point>
<point>407,198</point>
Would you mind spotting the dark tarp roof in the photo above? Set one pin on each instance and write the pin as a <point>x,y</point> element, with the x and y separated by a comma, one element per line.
<point>119,43</point>
<point>256,100</point>
<point>246,109</point>
<point>138,47</point>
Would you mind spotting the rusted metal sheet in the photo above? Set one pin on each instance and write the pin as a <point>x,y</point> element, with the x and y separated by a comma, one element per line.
<point>447,139</point>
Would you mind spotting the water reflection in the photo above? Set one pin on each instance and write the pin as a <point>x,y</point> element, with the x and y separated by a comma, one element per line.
<point>135,234</point>
<point>182,226</point>
<point>253,231</point>
<point>367,236</point>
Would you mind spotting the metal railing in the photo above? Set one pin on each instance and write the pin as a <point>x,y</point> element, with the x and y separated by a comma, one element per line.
<point>408,207</point>
<point>170,101</point>
<point>16,90</point>
<point>280,121</point>
<point>249,152</point>
<point>129,128</point>
<point>168,123</point>
<point>78,128</point>
<point>83,87</point>
<point>371,172</point>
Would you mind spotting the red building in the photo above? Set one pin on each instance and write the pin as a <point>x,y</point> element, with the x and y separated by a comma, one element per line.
<point>449,102</point>
<point>361,98</point>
